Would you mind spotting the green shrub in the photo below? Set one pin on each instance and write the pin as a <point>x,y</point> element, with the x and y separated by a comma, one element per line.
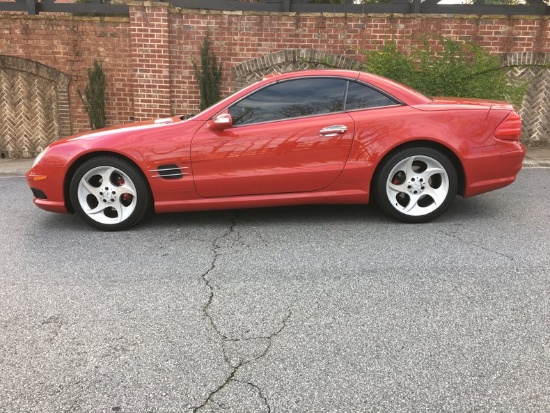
<point>94,104</point>
<point>209,75</point>
<point>456,69</point>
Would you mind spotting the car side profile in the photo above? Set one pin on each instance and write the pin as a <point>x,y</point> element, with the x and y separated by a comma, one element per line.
<point>309,137</point>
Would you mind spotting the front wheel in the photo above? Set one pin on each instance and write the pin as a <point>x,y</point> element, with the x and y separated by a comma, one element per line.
<point>109,193</point>
<point>416,184</point>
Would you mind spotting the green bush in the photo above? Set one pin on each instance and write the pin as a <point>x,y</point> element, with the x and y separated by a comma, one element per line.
<point>209,75</point>
<point>94,104</point>
<point>455,69</point>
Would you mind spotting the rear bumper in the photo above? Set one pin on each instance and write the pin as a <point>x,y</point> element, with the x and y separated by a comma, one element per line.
<point>492,167</point>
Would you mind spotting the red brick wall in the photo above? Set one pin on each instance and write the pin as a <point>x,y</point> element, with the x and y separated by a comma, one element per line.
<point>150,50</point>
<point>147,57</point>
<point>237,38</point>
<point>70,45</point>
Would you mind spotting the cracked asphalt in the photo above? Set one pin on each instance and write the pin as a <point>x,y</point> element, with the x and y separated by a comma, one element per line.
<point>307,309</point>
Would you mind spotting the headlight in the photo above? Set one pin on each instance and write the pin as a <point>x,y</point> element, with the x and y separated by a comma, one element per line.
<point>40,156</point>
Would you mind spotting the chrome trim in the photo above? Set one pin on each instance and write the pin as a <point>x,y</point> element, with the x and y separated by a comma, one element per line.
<point>167,175</point>
<point>333,130</point>
<point>179,168</point>
<point>177,171</point>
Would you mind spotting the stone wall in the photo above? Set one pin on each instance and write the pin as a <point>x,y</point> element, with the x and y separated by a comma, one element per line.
<point>147,57</point>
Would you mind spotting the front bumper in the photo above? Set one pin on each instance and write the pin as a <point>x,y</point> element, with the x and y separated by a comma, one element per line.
<point>47,186</point>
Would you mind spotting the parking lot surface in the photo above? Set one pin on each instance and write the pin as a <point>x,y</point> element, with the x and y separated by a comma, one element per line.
<point>304,309</point>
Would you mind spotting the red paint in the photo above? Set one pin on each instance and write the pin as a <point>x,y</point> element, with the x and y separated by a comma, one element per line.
<point>287,162</point>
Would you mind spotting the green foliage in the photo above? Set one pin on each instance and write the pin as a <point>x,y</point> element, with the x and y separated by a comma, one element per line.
<point>209,75</point>
<point>94,102</point>
<point>455,69</point>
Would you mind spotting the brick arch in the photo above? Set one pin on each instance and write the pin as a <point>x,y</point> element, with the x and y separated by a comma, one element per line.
<point>535,109</point>
<point>34,102</point>
<point>289,60</point>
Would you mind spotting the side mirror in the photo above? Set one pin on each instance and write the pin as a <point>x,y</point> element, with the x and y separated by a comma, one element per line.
<point>221,122</point>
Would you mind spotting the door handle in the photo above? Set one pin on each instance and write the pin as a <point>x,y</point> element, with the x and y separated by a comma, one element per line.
<point>333,130</point>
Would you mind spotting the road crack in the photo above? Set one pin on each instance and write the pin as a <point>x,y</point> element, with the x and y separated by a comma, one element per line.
<point>453,235</point>
<point>232,347</point>
<point>261,395</point>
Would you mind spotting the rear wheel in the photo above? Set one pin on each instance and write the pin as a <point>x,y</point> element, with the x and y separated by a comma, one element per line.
<point>109,193</point>
<point>416,184</point>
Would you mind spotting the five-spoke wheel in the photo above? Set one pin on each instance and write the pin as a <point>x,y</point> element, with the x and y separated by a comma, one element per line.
<point>416,184</point>
<point>109,193</point>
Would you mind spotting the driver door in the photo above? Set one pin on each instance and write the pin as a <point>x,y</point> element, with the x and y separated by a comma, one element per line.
<point>288,137</point>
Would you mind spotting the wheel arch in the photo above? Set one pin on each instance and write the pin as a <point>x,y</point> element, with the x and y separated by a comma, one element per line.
<point>429,144</point>
<point>86,157</point>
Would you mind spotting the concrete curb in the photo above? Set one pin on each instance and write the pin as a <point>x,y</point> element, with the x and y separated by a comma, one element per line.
<point>537,157</point>
<point>530,163</point>
<point>15,167</point>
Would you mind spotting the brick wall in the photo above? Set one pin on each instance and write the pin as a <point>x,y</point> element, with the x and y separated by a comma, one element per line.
<point>148,57</point>
<point>70,45</point>
<point>150,50</point>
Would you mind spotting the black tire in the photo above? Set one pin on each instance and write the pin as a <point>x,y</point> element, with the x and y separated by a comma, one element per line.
<point>109,193</point>
<point>416,184</point>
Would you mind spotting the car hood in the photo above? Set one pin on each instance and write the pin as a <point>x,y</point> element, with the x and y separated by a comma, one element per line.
<point>131,140</point>
<point>125,129</point>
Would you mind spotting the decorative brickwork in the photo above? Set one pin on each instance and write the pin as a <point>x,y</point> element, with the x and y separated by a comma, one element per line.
<point>148,57</point>
<point>535,110</point>
<point>69,44</point>
<point>34,103</point>
<point>287,61</point>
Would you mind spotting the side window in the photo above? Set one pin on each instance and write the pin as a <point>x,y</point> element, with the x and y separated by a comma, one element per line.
<point>363,97</point>
<point>290,99</point>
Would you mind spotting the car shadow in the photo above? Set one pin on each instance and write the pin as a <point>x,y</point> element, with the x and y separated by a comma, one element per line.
<point>461,210</point>
<point>466,209</point>
<point>302,214</point>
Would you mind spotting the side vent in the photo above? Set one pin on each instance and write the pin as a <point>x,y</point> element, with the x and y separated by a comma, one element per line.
<point>169,171</point>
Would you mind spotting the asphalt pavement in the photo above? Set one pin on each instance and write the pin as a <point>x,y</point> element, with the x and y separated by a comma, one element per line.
<point>306,309</point>
<point>536,157</point>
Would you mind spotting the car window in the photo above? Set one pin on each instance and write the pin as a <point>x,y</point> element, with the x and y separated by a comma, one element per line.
<point>290,99</point>
<point>363,97</point>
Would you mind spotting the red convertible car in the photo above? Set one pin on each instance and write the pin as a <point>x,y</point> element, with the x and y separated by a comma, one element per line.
<point>310,137</point>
